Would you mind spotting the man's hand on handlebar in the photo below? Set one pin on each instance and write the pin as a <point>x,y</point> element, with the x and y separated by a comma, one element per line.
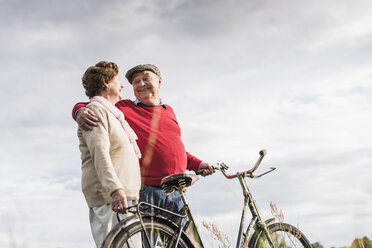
<point>205,169</point>
<point>86,119</point>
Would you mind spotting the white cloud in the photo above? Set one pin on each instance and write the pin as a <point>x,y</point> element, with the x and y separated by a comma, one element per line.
<point>40,213</point>
<point>293,77</point>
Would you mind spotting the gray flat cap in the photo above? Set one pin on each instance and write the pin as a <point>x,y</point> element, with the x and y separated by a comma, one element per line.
<point>145,67</point>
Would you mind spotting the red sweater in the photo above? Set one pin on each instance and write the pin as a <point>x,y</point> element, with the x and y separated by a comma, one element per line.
<point>159,139</point>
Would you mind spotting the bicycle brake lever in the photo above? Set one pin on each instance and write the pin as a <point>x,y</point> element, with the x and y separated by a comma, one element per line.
<point>271,169</point>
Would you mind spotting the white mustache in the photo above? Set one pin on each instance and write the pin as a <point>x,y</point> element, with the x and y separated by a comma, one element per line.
<point>144,88</point>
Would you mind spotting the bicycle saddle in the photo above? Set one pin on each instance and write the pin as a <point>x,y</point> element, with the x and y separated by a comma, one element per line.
<point>177,181</point>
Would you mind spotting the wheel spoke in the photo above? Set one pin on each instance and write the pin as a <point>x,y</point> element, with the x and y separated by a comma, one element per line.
<point>283,236</point>
<point>159,235</point>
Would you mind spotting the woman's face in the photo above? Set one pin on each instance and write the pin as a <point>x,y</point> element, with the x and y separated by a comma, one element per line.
<point>114,88</point>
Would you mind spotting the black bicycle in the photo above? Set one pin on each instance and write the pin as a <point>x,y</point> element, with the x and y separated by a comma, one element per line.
<point>149,229</point>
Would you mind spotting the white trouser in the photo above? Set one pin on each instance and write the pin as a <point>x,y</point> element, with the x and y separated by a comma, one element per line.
<point>103,219</point>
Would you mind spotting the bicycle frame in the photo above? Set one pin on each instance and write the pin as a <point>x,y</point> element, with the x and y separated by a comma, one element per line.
<point>256,217</point>
<point>243,237</point>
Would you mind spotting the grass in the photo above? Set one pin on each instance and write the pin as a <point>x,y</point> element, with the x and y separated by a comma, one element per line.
<point>217,235</point>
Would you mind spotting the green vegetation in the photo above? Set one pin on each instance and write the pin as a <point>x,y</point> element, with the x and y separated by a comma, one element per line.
<point>361,243</point>
<point>278,241</point>
<point>364,242</point>
<point>317,245</point>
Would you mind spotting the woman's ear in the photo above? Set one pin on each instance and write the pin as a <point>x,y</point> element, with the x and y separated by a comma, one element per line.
<point>107,85</point>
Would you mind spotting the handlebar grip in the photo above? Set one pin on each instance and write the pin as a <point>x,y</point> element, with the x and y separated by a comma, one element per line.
<point>263,152</point>
<point>223,167</point>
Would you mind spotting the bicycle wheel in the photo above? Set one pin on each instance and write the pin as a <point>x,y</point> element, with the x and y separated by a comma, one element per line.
<point>159,234</point>
<point>283,235</point>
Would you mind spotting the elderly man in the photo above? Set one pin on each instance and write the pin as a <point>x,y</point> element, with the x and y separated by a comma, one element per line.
<point>159,136</point>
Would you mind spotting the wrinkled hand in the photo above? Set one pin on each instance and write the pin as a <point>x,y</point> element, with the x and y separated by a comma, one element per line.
<point>205,169</point>
<point>86,119</point>
<point>119,202</point>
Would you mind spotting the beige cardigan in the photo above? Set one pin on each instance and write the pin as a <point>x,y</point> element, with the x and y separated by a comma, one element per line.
<point>108,160</point>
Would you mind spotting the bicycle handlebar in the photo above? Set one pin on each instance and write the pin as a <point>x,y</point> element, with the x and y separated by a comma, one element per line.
<point>222,167</point>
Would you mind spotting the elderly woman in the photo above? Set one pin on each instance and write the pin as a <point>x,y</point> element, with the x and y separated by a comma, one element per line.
<point>110,170</point>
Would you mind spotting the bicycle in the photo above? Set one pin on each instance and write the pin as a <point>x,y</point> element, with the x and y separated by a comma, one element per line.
<point>160,231</point>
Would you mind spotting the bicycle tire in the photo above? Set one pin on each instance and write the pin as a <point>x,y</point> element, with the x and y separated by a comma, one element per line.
<point>161,234</point>
<point>284,236</point>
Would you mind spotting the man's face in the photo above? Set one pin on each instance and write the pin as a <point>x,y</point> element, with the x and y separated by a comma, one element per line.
<point>146,85</point>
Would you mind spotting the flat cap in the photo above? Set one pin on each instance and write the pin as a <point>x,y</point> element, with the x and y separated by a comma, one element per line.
<point>145,67</point>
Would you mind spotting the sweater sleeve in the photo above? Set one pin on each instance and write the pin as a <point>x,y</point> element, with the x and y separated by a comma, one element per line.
<point>192,162</point>
<point>78,106</point>
<point>98,143</point>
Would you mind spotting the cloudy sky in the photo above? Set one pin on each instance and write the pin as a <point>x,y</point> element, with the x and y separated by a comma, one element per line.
<point>291,76</point>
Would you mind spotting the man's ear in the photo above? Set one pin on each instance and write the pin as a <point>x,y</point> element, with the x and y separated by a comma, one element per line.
<point>159,81</point>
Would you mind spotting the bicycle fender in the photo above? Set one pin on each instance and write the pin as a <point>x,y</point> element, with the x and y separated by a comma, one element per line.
<point>117,228</point>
